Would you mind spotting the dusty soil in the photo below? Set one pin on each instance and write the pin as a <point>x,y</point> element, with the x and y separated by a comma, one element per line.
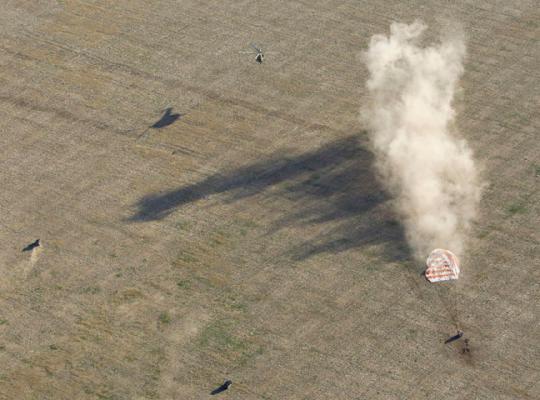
<point>248,238</point>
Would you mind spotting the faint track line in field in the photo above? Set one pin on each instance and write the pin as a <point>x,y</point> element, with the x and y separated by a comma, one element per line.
<point>125,10</point>
<point>258,109</point>
<point>164,146</point>
<point>66,115</point>
<point>172,22</point>
<point>107,65</point>
<point>95,61</point>
<point>22,56</point>
<point>140,22</point>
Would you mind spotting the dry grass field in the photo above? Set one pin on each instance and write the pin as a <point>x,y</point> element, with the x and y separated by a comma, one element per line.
<point>249,239</point>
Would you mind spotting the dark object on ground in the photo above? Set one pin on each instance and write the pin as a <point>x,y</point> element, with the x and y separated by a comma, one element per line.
<point>222,388</point>
<point>466,349</point>
<point>455,337</point>
<point>32,246</point>
<point>260,55</point>
<point>167,119</point>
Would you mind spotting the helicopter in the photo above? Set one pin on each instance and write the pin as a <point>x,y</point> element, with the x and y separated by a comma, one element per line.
<point>259,54</point>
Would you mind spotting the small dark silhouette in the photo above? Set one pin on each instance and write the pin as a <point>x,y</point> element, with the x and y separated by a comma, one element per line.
<point>167,119</point>
<point>466,348</point>
<point>222,388</point>
<point>455,337</point>
<point>32,246</point>
<point>259,54</point>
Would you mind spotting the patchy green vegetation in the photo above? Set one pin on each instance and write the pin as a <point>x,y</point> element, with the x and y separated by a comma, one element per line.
<point>216,241</point>
<point>218,336</point>
<point>244,226</point>
<point>186,257</point>
<point>234,303</point>
<point>516,208</point>
<point>130,294</point>
<point>91,290</point>
<point>483,233</point>
<point>247,223</point>
<point>184,284</point>
<point>182,225</point>
<point>165,318</point>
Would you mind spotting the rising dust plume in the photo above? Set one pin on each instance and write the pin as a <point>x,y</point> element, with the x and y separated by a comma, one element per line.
<point>420,160</point>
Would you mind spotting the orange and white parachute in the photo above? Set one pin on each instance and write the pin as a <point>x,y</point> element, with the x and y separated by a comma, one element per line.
<point>442,265</point>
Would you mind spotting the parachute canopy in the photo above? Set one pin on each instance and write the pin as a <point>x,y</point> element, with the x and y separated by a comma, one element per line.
<point>442,265</point>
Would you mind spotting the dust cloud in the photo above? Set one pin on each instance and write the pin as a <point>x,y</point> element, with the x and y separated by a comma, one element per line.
<point>419,157</point>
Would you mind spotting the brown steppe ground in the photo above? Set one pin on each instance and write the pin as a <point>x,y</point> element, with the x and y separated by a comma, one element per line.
<point>249,239</point>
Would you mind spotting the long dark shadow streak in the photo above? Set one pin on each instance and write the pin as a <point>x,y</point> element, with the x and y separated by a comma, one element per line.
<point>334,184</point>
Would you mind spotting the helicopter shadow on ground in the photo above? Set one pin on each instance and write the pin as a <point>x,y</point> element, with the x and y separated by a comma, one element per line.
<point>167,119</point>
<point>334,185</point>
